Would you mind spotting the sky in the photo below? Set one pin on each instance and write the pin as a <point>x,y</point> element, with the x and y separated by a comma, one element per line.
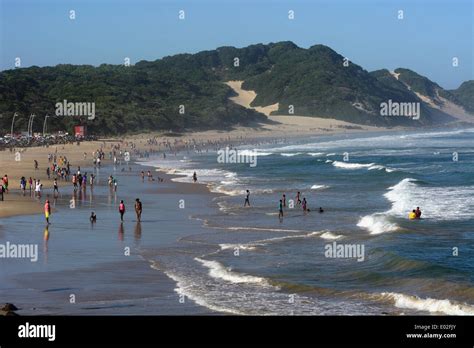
<point>367,32</point>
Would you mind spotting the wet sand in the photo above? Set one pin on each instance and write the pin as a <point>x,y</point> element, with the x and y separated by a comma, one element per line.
<point>90,261</point>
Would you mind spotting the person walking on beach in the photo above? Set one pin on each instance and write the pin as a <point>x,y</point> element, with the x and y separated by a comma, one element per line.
<point>74,181</point>
<point>247,199</point>
<point>1,191</point>
<point>55,186</point>
<point>47,211</point>
<point>138,209</point>
<point>195,178</point>
<point>36,165</point>
<point>121,210</point>
<point>38,187</point>
<point>5,183</point>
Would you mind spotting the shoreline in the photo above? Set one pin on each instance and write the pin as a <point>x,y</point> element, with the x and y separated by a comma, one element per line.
<point>152,278</point>
<point>185,141</point>
<point>172,233</point>
<point>75,154</point>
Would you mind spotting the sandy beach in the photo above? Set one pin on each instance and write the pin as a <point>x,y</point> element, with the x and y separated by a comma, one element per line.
<point>278,127</point>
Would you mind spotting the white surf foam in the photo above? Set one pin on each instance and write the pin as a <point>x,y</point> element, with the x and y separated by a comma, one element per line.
<point>290,154</point>
<point>319,187</point>
<point>187,288</point>
<point>428,304</point>
<point>377,223</point>
<point>263,242</point>
<point>440,203</point>
<point>348,165</point>
<point>368,166</point>
<point>254,152</point>
<point>217,270</point>
<point>315,154</point>
<point>331,236</point>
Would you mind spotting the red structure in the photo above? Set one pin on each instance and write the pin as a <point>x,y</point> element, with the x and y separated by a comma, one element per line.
<point>80,131</point>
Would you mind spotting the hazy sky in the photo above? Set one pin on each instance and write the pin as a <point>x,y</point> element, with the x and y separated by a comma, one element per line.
<point>368,32</point>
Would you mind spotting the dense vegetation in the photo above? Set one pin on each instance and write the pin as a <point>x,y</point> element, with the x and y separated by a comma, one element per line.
<point>148,95</point>
<point>465,95</point>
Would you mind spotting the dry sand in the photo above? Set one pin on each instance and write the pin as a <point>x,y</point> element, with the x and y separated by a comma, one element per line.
<point>14,203</point>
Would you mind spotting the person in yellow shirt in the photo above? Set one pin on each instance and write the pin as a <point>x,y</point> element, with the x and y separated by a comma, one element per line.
<point>412,215</point>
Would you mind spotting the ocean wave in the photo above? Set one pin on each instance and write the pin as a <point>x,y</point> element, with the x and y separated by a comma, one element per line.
<point>226,190</point>
<point>254,152</point>
<point>218,271</point>
<point>331,236</point>
<point>186,288</point>
<point>290,154</point>
<point>377,223</point>
<point>252,298</point>
<point>264,242</point>
<point>348,165</point>
<point>439,203</point>
<point>319,187</point>
<point>237,228</point>
<point>369,166</point>
<point>314,154</point>
<point>428,304</point>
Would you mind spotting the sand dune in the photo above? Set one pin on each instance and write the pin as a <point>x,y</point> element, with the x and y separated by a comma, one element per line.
<point>290,124</point>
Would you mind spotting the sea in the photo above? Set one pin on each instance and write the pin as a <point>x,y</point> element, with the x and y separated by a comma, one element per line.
<point>249,261</point>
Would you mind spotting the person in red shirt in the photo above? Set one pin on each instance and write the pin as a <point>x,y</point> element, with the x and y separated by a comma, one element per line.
<point>121,209</point>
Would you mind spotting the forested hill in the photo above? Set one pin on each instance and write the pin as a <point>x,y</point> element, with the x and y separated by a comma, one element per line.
<point>186,91</point>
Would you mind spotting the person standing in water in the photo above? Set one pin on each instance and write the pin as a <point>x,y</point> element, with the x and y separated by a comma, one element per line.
<point>418,213</point>
<point>298,199</point>
<point>284,201</point>
<point>247,199</point>
<point>305,205</point>
<point>93,218</point>
<point>138,209</point>
<point>195,178</point>
<point>23,184</point>
<point>280,210</point>
<point>121,209</point>
<point>47,211</point>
